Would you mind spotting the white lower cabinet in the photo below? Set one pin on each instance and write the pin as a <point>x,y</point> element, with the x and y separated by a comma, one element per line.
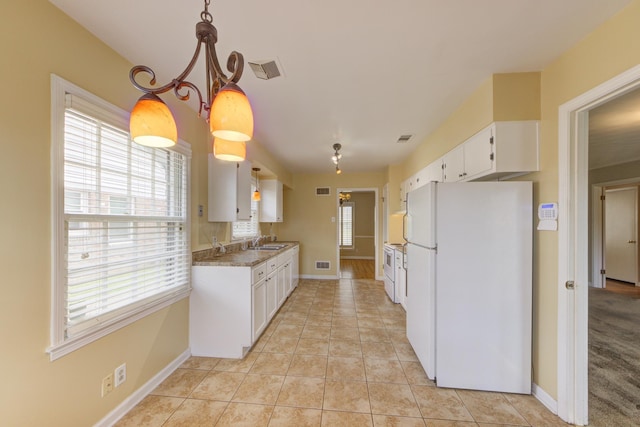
<point>295,267</point>
<point>230,307</point>
<point>259,311</point>
<point>272,294</point>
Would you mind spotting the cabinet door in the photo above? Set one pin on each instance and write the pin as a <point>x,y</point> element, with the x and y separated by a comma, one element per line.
<point>259,302</point>
<point>288,279</point>
<point>282,285</point>
<point>454,165</point>
<point>479,154</point>
<point>271,201</point>
<point>222,190</point>
<point>272,294</point>
<point>295,267</point>
<point>433,172</point>
<point>243,191</point>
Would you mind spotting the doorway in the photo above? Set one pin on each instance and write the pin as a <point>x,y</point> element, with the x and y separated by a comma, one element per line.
<point>573,242</point>
<point>357,232</point>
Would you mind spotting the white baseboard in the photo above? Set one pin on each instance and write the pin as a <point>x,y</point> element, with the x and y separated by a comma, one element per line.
<point>544,398</point>
<point>359,257</point>
<point>318,277</point>
<point>136,397</point>
<point>381,278</point>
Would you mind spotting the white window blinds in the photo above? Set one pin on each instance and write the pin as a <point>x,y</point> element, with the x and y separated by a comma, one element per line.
<point>346,225</point>
<point>124,226</point>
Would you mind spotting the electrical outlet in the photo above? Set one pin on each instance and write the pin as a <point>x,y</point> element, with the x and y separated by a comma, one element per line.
<point>121,375</point>
<point>107,385</point>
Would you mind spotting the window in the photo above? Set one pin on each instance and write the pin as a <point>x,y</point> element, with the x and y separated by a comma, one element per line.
<point>120,210</point>
<point>251,228</point>
<point>346,225</point>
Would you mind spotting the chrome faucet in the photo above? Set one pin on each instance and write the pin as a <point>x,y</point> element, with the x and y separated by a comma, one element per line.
<point>255,241</point>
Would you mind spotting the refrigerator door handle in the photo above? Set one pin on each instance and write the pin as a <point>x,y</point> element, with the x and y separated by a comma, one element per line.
<point>405,258</point>
<point>405,218</point>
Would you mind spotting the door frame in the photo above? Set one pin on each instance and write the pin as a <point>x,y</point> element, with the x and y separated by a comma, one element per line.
<point>376,217</point>
<point>573,256</point>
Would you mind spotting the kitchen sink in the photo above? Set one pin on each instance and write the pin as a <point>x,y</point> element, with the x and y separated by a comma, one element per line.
<point>267,247</point>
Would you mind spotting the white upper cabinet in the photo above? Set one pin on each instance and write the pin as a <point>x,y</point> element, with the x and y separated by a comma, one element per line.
<point>454,164</point>
<point>229,190</point>
<point>502,149</point>
<point>433,172</point>
<point>270,200</point>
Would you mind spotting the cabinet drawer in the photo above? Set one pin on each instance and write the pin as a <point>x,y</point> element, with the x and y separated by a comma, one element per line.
<point>284,257</point>
<point>259,273</point>
<point>272,264</point>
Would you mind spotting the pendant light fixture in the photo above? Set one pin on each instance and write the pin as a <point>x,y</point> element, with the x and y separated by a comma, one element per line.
<point>226,107</point>
<point>256,194</point>
<point>336,157</point>
<point>230,151</point>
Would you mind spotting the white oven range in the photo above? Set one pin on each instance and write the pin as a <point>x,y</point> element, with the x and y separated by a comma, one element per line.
<point>390,272</point>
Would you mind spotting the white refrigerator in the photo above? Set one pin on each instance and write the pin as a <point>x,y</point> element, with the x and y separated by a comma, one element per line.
<point>469,283</point>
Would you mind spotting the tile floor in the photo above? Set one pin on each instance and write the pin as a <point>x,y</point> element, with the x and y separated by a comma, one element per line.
<point>336,354</point>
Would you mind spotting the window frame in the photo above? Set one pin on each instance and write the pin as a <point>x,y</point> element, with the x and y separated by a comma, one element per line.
<point>60,345</point>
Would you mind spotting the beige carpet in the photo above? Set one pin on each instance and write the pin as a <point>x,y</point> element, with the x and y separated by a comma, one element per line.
<point>614,359</point>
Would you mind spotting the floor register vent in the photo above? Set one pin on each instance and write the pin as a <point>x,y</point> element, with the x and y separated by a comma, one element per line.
<point>323,265</point>
<point>323,191</point>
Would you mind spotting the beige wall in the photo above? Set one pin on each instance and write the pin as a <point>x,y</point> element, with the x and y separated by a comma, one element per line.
<point>307,217</point>
<point>365,227</point>
<point>37,39</point>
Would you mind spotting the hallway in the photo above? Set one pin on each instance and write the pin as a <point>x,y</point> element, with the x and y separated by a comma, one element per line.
<point>336,354</point>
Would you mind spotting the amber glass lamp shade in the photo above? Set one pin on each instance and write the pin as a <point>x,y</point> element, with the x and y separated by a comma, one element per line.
<point>231,117</point>
<point>152,124</point>
<point>256,196</point>
<point>230,151</point>
<point>338,170</point>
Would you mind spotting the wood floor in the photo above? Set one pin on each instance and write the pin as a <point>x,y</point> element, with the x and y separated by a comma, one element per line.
<point>357,269</point>
<point>623,288</point>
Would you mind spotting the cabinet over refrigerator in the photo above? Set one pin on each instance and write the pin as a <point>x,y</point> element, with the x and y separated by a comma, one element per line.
<point>469,283</point>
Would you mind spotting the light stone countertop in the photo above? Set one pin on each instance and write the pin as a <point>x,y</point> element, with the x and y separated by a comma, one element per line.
<point>247,258</point>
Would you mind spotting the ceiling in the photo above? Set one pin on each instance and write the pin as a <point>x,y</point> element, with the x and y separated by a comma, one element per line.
<point>352,73</point>
<point>614,131</point>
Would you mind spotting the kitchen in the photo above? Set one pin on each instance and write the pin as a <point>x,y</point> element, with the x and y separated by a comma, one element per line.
<point>61,46</point>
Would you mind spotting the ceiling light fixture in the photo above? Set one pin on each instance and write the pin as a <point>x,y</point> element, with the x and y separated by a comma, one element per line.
<point>231,151</point>
<point>226,109</point>
<point>336,157</point>
<point>256,194</point>
<point>344,197</point>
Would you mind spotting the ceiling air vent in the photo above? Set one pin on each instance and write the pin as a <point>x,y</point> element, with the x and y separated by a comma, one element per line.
<point>404,138</point>
<point>323,191</point>
<point>265,69</point>
<point>323,265</point>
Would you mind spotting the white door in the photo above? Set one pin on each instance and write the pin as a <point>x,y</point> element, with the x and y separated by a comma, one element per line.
<point>621,259</point>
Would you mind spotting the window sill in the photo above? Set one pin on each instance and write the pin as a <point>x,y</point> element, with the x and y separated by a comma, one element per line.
<point>57,351</point>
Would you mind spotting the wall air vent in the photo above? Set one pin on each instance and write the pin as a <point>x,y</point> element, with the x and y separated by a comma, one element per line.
<point>323,265</point>
<point>323,191</point>
<point>404,138</point>
<point>265,69</point>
